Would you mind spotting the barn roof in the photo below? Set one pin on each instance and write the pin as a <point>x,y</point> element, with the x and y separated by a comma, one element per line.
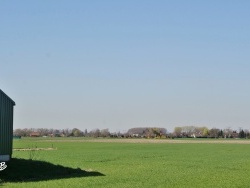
<point>1,92</point>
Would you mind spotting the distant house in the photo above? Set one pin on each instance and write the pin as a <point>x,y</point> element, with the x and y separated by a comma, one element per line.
<point>34,134</point>
<point>135,135</point>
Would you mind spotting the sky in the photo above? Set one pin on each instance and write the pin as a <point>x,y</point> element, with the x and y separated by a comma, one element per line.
<point>122,64</point>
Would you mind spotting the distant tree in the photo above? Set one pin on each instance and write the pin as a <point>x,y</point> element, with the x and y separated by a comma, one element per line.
<point>56,132</point>
<point>178,131</point>
<point>18,132</point>
<point>201,131</point>
<point>189,130</point>
<point>214,133</point>
<point>43,131</point>
<point>156,132</point>
<point>51,131</point>
<point>242,134</point>
<point>95,133</point>
<point>26,132</point>
<point>86,132</point>
<point>228,132</point>
<point>149,133</point>
<point>76,132</point>
<point>220,134</point>
<point>67,132</point>
<point>205,132</point>
<point>247,135</point>
<point>104,133</point>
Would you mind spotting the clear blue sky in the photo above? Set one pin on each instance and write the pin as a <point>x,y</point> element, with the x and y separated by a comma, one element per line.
<point>121,64</point>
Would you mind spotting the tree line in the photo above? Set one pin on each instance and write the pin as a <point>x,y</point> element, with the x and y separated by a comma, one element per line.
<point>137,132</point>
<point>204,132</point>
<point>75,132</point>
<point>147,132</point>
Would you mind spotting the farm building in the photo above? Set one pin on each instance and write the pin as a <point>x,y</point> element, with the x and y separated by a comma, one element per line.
<point>34,134</point>
<point>6,126</point>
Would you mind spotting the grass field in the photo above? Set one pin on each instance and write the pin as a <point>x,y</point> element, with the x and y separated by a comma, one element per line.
<point>128,163</point>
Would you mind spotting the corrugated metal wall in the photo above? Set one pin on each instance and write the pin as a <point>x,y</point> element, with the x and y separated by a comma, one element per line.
<point>6,124</point>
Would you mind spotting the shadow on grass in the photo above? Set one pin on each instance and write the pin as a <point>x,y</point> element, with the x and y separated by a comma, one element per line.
<point>23,170</point>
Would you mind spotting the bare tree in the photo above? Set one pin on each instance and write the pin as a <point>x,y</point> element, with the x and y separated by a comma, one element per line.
<point>228,132</point>
<point>214,133</point>
<point>178,131</point>
<point>104,133</point>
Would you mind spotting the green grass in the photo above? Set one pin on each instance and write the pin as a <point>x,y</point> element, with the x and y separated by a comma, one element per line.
<point>90,164</point>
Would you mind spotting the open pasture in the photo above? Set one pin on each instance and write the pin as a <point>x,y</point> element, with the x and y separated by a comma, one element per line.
<point>128,163</point>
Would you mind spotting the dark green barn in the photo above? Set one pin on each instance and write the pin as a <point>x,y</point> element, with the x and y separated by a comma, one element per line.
<point>6,126</point>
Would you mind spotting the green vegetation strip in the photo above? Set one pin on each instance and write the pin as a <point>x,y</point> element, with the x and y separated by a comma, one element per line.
<point>85,163</point>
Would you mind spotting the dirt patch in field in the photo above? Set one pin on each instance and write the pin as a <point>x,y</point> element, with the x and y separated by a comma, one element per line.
<point>33,149</point>
<point>172,141</point>
<point>157,141</point>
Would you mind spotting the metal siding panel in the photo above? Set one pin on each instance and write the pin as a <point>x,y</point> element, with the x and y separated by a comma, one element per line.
<point>6,124</point>
<point>1,106</point>
<point>1,123</point>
